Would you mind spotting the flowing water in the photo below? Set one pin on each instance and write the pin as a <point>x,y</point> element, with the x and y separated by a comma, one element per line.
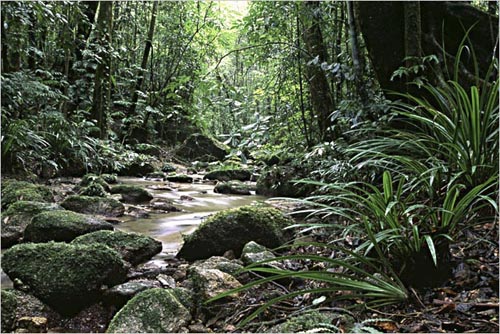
<point>198,202</point>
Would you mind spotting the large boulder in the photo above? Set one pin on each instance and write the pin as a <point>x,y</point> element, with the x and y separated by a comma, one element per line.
<point>66,277</point>
<point>151,311</point>
<point>133,247</point>
<point>132,194</point>
<point>109,207</point>
<point>62,225</point>
<point>18,216</point>
<point>232,229</point>
<point>180,178</point>
<point>13,191</point>
<point>232,187</point>
<point>201,147</point>
<point>228,175</point>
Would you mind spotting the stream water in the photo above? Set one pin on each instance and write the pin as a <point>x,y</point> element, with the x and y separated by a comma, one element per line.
<point>198,201</point>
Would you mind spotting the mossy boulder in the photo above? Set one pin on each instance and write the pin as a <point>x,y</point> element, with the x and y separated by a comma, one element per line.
<point>156,176</point>
<point>62,225</point>
<point>231,267</point>
<point>232,187</point>
<point>147,149</point>
<point>168,168</point>
<point>90,179</point>
<point>278,181</point>
<point>110,178</point>
<point>232,229</point>
<point>18,216</point>
<point>132,194</point>
<point>66,277</point>
<point>9,305</point>
<point>120,294</point>
<point>151,311</point>
<point>228,175</point>
<point>104,206</point>
<point>140,165</point>
<point>13,191</point>
<point>94,189</point>
<point>133,247</point>
<point>180,178</point>
<point>203,148</point>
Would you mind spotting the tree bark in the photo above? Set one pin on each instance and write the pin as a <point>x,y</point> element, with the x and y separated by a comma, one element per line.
<point>101,96</point>
<point>357,58</point>
<point>319,88</point>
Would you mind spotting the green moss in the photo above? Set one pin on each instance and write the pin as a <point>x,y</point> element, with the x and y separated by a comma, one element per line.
<point>62,225</point>
<point>151,311</point>
<point>303,323</point>
<point>94,205</point>
<point>9,305</point>
<point>94,189</point>
<point>232,187</point>
<point>133,247</point>
<point>110,178</point>
<point>131,193</point>
<point>232,229</point>
<point>91,179</point>
<point>228,174</point>
<point>167,168</point>
<point>13,191</point>
<point>18,216</point>
<point>65,276</point>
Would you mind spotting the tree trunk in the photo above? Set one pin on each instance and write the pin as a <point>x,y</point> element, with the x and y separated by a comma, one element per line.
<point>101,97</point>
<point>357,59</point>
<point>319,88</point>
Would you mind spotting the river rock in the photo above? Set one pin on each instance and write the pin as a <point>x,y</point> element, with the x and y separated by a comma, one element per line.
<point>132,194</point>
<point>94,205</point>
<point>221,263</point>
<point>17,304</point>
<point>120,294</point>
<point>134,248</point>
<point>94,189</point>
<point>62,225</point>
<point>208,283</point>
<point>141,166</point>
<point>66,277</point>
<point>313,319</point>
<point>277,181</point>
<point>13,191</point>
<point>253,252</point>
<point>18,216</point>
<point>110,178</point>
<point>232,229</point>
<point>151,311</point>
<point>180,178</point>
<point>228,175</point>
<point>156,176</point>
<point>31,325</point>
<point>203,148</point>
<point>232,187</point>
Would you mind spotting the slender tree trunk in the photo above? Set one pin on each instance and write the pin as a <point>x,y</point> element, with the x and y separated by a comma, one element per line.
<point>301,86</point>
<point>412,31</point>
<point>319,88</point>
<point>101,98</point>
<point>357,59</point>
<point>5,46</point>
<point>145,56</point>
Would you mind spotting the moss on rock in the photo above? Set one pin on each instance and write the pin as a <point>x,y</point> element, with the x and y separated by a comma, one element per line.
<point>18,216</point>
<point>202,147</point>
<point>232,187</point>
<point>133,247</point>
<point>91,179</point>
<point>168,168</point>
<point>94,189</point>
<point>181,178</point>
<point>9,305</point>
<point>110,178</point>
<point>303,323</point>
<point>232,229</point>
<point>151,311</point>
<point>228,175</point>
<point>65,276</point>
<point>94,205</point>
<point>13,191</point>
<point>62,225</point>
<point>132,194</point>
